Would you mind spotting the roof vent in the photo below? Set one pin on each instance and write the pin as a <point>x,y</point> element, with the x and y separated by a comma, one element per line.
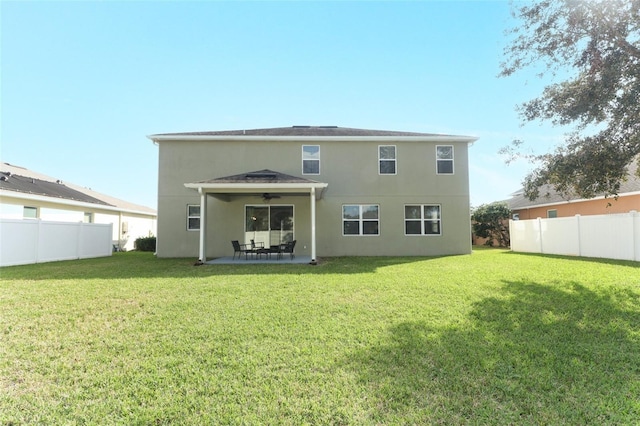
<point>328,127</point>
<point>269,175</point>
<point>301,127</point>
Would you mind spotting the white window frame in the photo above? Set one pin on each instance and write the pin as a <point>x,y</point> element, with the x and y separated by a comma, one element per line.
<point>88,217</point>
<point>193,216</point>
<point>361,220</point>
<point>393,160</point>
<point>442,160</point>
<point>549,213</point>
<point>26,209</point>
<point>422,220</point>
<point>247,232</point>
<point>308,157</point>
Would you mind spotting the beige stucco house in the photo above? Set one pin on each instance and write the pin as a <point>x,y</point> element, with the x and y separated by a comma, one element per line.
<point>336,191</point>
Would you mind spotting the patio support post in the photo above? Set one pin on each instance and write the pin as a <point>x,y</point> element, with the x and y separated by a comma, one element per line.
<point>313,225</point>
<point>203,225</point>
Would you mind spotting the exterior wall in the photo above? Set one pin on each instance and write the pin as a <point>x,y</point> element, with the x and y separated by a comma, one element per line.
<point>137,225</point>
<point>350,169</point>
<point>623,204</point>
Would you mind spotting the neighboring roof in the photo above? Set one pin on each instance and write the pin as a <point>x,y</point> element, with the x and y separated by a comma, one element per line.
<point>550,196</point>
<point>307,132</point>
<point>24,181</point>
<point>29,185</point>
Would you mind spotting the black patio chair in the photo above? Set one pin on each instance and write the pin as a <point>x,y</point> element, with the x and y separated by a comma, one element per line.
<point>258,249</point>
<point>240,248</point>
<point>289,247</point>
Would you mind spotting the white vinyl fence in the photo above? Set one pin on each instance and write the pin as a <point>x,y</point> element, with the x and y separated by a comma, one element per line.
<point>35,241</point>
<point>612,236</point>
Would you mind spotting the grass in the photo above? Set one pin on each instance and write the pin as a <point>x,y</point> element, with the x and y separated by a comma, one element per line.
<point>490,338</point>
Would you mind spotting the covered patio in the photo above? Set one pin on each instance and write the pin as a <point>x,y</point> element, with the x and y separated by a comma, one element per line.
<point>267,184</point>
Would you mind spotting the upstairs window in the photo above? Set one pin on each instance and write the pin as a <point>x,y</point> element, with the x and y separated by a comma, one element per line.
<point>444,159</point>
<point>360,219</point>
<point>422,220</point>
<point>310,159</point>
<point>193,217</point>
<point>387,159</point>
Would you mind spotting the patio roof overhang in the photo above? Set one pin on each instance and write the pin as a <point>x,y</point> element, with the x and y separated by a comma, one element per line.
<point>262,182</point>
<point>257,183</point>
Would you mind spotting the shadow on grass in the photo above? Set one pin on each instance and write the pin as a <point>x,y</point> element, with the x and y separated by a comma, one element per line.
<point>540,355</point>
<point>575,258</point>
<point>146,265</point>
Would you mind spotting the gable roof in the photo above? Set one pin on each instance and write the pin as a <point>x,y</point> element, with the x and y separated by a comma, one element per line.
<point>261,177</point>
<point>519,201</point>
<point>24,181</point>
<point>308,132</point>
<point>260,181</point>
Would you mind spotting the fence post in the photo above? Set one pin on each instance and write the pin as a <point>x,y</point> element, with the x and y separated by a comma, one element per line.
<point>634,232</point>
<point>579,239</point>
<point>79,240</point>
<point>540,234</point>
<point>37,254</point>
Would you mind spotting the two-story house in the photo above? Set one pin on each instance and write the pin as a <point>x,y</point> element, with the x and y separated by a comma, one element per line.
<point>336,191</point>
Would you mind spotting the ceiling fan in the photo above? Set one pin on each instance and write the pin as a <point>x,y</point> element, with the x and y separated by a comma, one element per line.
<point>266,196</point>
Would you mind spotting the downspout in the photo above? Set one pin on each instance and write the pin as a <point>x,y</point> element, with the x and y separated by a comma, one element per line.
<point>119,236</point>
<point>313,225</point>
<point>203,225</point>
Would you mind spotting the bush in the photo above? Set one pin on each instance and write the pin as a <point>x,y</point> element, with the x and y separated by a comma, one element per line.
<point>145,244</point>
<point>491,221</point>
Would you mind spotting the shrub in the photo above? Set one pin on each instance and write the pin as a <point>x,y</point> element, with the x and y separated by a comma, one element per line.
<point>491,221</point>
<point>145,244</point>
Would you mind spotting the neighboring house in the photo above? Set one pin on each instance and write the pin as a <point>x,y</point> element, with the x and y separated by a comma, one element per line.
<point>336,191</point>
<point>552,204</point>
<point>25,194</point>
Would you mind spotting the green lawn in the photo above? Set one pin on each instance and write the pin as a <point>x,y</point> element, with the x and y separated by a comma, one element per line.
<point>490,338</point>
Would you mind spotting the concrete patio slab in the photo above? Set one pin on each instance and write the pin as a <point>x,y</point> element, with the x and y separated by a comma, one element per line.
<point>286,260</point>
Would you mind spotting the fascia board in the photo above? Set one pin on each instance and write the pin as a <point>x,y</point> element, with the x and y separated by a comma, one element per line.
<point>248,187</point>
<point>204,138</point>
<point>64,202</point>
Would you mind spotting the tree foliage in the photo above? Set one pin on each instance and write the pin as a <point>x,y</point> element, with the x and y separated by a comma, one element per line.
<point>491,221</point>
<point>598,42</point>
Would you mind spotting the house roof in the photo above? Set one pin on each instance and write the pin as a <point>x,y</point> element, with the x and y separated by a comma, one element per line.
<point>20,180</point>
<point>265,176</point>
<point>519,201</point>
<point>261,181</point>
<point>307,132</point>
<point>30,185</point>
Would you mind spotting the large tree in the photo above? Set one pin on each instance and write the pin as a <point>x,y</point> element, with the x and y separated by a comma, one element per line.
<point>597,43</point>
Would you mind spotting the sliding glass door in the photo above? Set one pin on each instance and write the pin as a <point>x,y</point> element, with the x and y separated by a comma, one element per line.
<point>270,225</point>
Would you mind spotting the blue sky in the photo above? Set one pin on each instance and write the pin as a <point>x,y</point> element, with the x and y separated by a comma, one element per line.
<point>83,83</point>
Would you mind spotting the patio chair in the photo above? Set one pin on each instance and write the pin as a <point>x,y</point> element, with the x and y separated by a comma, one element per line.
<point>240,248</point>
<point>277,250</point>
<point>289,247</point>
<point>258,249</point>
